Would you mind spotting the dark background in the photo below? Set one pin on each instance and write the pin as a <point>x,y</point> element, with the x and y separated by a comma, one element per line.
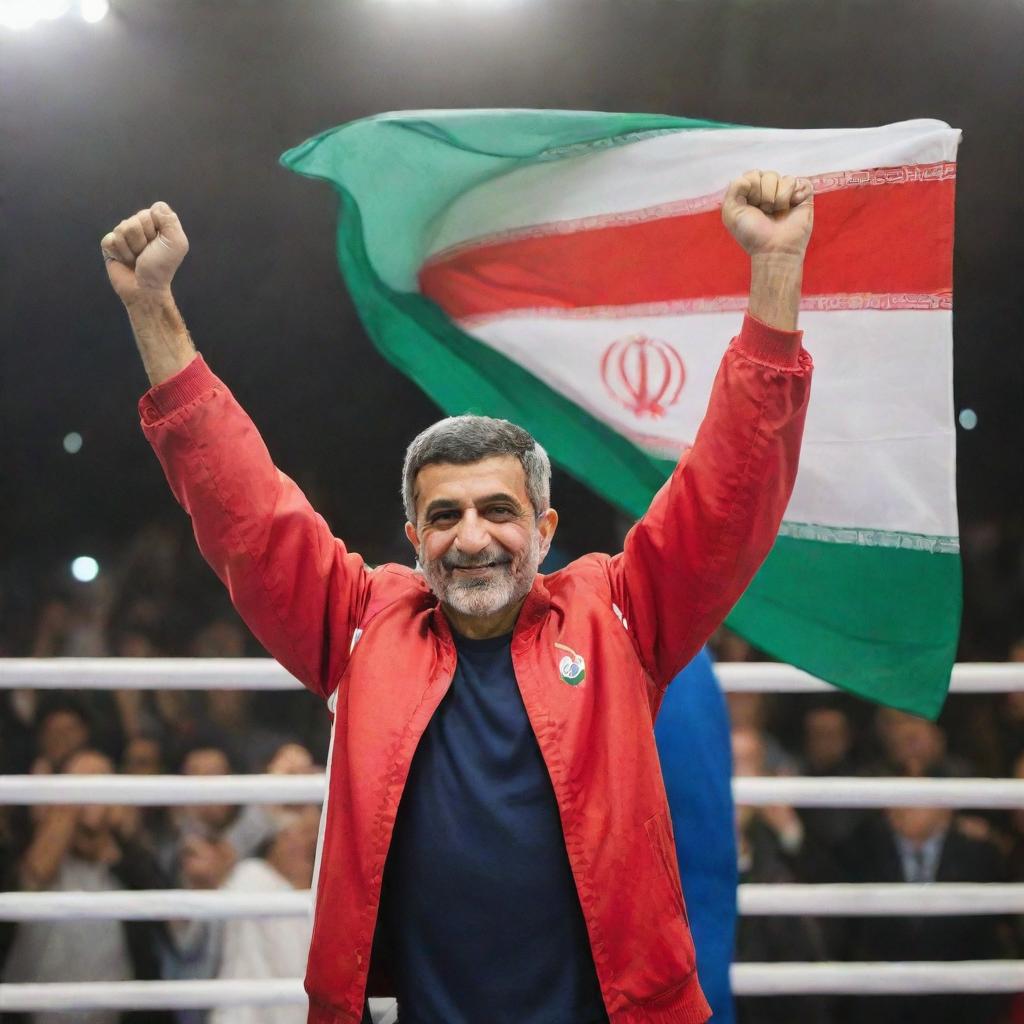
<point>192,101</point>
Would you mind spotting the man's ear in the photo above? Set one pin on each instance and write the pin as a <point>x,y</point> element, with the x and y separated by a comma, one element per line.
<point>414,537</point>
<point>547,523</point>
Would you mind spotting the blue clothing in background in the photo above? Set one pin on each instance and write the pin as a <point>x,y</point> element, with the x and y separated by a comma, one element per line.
<point>479,901</point>
<point>694,744</point>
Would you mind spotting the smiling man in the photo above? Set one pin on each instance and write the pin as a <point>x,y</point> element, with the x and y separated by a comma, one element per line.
<point>496,840</point>
<point>485,489</point>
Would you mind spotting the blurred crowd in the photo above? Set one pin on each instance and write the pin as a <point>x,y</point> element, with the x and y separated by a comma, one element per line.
<point>156,598</point>
<point>776,735</point>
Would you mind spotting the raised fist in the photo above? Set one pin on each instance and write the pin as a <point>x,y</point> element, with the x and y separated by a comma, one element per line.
<point>767,213</point>
<point>143,252</point>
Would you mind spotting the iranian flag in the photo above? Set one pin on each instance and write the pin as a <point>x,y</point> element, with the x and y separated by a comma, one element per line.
<point>570,272</point>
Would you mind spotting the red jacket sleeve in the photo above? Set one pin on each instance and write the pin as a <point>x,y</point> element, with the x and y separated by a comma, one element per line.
<point>295,585</point>
<point>707,531</point>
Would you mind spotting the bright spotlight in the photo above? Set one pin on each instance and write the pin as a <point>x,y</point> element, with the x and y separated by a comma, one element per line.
<point>54,9</point>
<point>85,569</point>
<point>73,442</point>
<point>20,13</point>
<point>94,10</point>
<point>968,419</point>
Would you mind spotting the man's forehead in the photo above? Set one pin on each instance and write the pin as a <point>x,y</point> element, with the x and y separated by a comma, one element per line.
<point>468,482</point>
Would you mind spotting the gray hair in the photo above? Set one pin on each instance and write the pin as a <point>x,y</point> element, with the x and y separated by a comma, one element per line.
<point>465,439</point>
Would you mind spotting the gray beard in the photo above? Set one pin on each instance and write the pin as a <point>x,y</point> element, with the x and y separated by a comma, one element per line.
<point>480,597</point>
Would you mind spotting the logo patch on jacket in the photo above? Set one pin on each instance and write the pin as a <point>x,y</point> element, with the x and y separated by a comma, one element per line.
<point>572,668</point>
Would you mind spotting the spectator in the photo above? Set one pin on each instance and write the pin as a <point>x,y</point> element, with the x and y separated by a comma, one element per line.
<point>64,728</point>
<point>827,751</point>
<point>914,746</point>
<point>921,844</point>
<point>273,947</point>
<point>750,711</point>
<point>770,841</point>
<point>233,711</point>
<point>92,848</point>
<point>207,842</point>
<point>144,755</point>
<point>827,742</point>
<point>779,825</point>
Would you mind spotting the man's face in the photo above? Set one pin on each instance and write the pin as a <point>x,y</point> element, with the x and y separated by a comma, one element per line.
<point>911,743</point>
<point>477,537</point>
<point>208,761</point>
<point>826,738</point>
<point>142,757</point>
<point>918,824</point>
<point>747,753</point>
<point>63,734</point>
<point>95,821</point>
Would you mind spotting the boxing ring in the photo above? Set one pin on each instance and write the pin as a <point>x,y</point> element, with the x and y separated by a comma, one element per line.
<point>762,979</point>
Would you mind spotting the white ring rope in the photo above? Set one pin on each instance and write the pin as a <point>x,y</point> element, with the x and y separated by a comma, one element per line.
<point>179,790</point>
<point>859,979</point>
<point>747,979</point>
<point>978,976</point>
<point>757,900</point>
<point>881,899</point>
<point>149,995</point>
<point>161,790</point>
<point>265,674</point>
<point>879,792</point>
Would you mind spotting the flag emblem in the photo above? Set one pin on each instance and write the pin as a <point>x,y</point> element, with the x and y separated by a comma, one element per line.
<point>644,374</point>
<point>572,668</point>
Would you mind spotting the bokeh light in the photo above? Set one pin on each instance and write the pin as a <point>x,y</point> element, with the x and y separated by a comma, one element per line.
<point>968,419</point>
<point>85,568</point>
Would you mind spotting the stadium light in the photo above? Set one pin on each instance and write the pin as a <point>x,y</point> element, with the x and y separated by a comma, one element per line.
<point>85,569</point>
<point>968,419</point>
<point>94,10</point>
<point>23,14</point>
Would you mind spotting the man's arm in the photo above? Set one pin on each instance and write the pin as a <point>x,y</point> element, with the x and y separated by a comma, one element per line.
<point>50,843</point>
<point>142,254</point>
<point>707,531</point>
<point>295,585</point>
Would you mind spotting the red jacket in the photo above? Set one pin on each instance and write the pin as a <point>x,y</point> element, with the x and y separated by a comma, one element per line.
<point>635,618</point>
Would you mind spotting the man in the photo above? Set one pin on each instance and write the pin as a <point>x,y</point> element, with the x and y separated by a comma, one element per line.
<point>92,848</point>
<point>199,850</point>
<point>521,866</point>
<point>772,848</point>
<point>272,947</point>
<point>920,845</point>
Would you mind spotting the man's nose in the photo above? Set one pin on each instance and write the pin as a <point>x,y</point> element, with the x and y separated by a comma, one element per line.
<point>472,536</point>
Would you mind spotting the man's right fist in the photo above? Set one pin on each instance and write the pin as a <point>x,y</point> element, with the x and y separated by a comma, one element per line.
<point>143,252</point>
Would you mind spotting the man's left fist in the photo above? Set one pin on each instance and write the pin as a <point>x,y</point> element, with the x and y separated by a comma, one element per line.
<point>769,214</point>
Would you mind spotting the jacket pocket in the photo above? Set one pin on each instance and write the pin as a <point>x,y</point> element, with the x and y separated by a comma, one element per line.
<point>660,837</point>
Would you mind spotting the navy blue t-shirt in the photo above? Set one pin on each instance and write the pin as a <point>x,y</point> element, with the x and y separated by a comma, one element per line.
<point>479,910</point>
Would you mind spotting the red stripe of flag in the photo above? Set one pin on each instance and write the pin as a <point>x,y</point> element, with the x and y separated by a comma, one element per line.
<point>879,239</point>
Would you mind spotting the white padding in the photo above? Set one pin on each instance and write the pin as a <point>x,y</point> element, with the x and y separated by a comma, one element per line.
<point>747,980</point>
<point>840,900</point>
<point>264,674</point>
<point>155,790</point>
